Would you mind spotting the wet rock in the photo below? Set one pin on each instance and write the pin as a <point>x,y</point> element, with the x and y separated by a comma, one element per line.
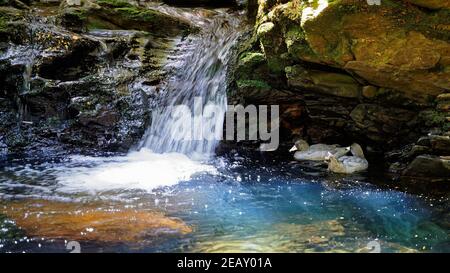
<point>3,147</point>
<point>369,91</point>
<point>212,3</point>
<point>377,121</point>
<point>336,84</point>
<point>417,150</point>
<point>440,144</point>
<point>80,90</point>
<point>424,141</point>
<point>282,238</point>
<point>429,166</point>
<point>90,222</point>
<point>443,102</point>
<point>11,27</point>
<point>120,14</point>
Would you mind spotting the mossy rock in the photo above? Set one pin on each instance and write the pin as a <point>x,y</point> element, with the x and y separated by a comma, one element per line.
<point>251,66</point>
<point>394,45</point>
<point>11,24</point>
<point>128,16</point>
<point>254,84</point>
<point>436,119</point>
<point>119,14</point>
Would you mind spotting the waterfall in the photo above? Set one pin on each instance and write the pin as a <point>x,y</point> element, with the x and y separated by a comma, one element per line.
<point>196,73</point>
<point>199,81</point>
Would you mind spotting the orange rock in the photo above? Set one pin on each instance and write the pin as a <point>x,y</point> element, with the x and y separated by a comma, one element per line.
<point>94,221</point>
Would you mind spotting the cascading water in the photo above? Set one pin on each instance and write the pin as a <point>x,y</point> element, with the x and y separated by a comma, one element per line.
<point>198,82</point>
<point>165,156</point>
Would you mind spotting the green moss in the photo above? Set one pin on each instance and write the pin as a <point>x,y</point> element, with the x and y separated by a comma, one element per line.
<point>128,10</point>
<point>127,16</point>
<point>79,14</point>
<point>258,84</point>
<point>3,23</point>
<point>252,59</point>
<point>433,118</point>
<point>95,23</point>
<point>8,15</point>
<point>138,14</point>
<point>297,44</point>
<point>114,3</point>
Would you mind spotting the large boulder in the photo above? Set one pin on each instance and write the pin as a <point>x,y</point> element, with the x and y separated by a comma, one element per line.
<point>119,14</point>
<point>392,45</point>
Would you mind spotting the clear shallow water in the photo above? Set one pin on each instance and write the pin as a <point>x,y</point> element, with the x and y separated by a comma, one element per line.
<point>234,203</point>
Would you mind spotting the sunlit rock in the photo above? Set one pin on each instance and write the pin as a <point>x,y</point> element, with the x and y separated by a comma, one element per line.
<point>90,222</point>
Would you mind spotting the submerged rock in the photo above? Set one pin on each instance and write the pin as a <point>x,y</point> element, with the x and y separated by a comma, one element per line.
<point>282,238</point>
<point>90,222</point>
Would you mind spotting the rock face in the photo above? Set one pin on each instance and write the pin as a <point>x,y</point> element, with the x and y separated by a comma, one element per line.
<point>65,83</point>
<point>375,74</point>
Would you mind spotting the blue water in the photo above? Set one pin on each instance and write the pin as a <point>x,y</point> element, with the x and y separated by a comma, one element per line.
<point>248,204</point>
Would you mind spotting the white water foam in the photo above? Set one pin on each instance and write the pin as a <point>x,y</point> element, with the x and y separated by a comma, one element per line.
<point>143,170</point>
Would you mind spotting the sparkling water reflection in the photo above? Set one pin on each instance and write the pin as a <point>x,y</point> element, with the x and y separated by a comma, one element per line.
<point>232,204</point>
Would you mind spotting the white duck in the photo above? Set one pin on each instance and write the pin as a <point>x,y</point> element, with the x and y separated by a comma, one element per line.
<point>316,152</point>
<point>348,164</point>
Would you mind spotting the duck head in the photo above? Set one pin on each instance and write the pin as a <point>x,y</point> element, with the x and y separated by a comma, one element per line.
<point>341,151</point>
<point>356,150</point>
<point>300,145</point>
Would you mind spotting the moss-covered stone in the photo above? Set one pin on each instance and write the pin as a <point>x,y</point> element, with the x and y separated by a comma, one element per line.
<point>433,118</point>
<point>394,45</point>
<point>9,17</point>
<point>254,84</point>
<point>128,16</point>
<point>119,14</point>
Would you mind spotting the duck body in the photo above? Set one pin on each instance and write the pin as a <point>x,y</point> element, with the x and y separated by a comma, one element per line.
<point>348,164</point>
<point>323,147</point>
<point>320,155</point>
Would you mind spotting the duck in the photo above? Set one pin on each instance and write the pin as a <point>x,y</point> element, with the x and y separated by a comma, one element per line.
<point>316,152</point>
<point>348,164</point>
<point>302,145</point>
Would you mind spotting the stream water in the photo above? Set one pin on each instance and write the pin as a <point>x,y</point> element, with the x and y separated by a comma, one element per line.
<point>172,196</point>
